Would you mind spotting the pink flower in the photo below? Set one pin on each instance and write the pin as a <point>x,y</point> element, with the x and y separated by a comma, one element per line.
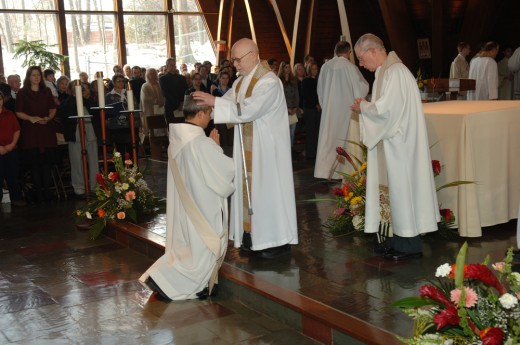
<point>518,295</point>
<point>121,215</point>
<point>471,296</point>
<point>130,195</point>
<point>499,266</point>
<point>339,211</point>
<point>128,162</point>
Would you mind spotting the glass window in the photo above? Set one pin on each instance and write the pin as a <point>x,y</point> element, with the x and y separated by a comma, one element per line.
<point>140,5</point>
<point>185,6</point>
<point>192,43</point>
<point>88,5</point>
<point>28,4</point>
<point>27,27</point>
<point>92,44</point>
<point>146,40</point>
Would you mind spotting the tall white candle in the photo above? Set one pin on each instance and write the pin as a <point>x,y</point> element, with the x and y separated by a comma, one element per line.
<point>130,97</point>
<point>101,90</point>
<point>79,98</point>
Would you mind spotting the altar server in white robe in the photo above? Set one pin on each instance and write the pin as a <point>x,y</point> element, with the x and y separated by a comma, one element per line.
<point>257,101</point>
<point>514,67</point>
<point>339,84</point>
<point>484,70</point>
<point>197,209</point>
<point>395,120</point>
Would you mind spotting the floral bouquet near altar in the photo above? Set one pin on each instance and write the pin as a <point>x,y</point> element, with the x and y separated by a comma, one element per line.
<point>120,195</point>
<point>469,304</point>
<point>349,215</point>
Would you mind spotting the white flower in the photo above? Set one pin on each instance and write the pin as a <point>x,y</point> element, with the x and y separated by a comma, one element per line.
<point>88,215</point>
<point>131,180</point>
<point>117,154</point>
<point>357,221</point>
<point>509,341</point>
<point>516,276</point>
<point>508,301</point>
<point>443,270</point>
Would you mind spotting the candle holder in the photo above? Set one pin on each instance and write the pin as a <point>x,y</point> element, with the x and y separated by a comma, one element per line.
<point>81,122</point>
<point>102,115</point>
<point>132,130</point>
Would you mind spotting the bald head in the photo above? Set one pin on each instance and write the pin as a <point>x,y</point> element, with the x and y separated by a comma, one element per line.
<point>244,55</point>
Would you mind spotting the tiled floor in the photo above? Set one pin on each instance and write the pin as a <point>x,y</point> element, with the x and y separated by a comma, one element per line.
<point>56,285</point>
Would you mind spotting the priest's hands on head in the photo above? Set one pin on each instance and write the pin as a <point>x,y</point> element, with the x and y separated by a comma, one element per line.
<point>356,106</point>
<point>203,98</point>
<point>215,136</point>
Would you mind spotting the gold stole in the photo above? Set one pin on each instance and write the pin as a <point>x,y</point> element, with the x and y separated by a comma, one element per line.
<point>247,135</point>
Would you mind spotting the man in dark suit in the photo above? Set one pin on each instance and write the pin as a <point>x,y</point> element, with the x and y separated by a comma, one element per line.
<point>173,86</point>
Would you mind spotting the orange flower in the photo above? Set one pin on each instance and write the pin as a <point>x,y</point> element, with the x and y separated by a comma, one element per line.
<point>121,215</point>
<point>452,273</point>
<point>101,213</point>
<point>345,190</point>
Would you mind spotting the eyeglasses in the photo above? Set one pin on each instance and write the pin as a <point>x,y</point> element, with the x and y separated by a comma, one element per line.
<point>238,60</point>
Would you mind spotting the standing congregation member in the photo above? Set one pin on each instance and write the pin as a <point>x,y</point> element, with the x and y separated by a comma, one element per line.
<point>173,86</point>
<point>339,84</point>
<point>394,119</point>
<point>36,108</point>
<point>257,101</point>
<point>200,178</point>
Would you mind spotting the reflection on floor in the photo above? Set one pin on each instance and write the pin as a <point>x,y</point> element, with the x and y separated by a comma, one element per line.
<point>56,286</point>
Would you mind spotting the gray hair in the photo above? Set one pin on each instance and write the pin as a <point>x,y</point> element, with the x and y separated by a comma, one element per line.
<point>368,41</point>
<point>190,107</point>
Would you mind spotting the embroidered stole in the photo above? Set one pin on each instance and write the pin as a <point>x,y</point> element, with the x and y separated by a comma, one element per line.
<point>247,136</point>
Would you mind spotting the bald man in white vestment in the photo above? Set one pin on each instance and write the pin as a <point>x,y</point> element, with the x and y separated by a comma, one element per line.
<point>484,70</point>
<point>199,181</point>
<point>256,101</point>
<point>395,120</point>
<point>339,84</point>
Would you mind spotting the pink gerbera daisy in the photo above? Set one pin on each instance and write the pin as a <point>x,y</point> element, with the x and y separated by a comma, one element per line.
<point>471,296</point>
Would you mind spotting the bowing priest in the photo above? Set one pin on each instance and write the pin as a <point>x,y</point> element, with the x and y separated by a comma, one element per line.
<point>200,178</point>
<point>265,226</point>
<point>339,84</point>
<point>394,121</point>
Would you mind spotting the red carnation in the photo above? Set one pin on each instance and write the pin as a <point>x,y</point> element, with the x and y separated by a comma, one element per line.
<point>484,274</point>
<point>114,176</point>
<point>435,294</point>
<point>338,192</point>
<point>492,336</point>
<point>446,214</point>
<point>448,316</point>
<point>436,166</point>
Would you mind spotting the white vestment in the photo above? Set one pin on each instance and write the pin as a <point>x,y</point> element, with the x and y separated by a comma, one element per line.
<point>459,68</point>
<point>485,71</point>
<point>505,85</point>
<point>396,119</point>
<point>186,267</point>
<point>339,84</point>
<point>273,222</point>
<point>514,67</point>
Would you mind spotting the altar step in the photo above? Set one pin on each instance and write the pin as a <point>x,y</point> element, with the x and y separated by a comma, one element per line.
<point>308,316</point>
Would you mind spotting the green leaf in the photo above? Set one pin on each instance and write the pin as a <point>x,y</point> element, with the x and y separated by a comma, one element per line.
<point>454,183</point>
<point>459,269</point>
<point>412,302</point>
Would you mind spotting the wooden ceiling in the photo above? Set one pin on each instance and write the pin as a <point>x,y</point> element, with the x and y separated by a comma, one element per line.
<point>398,22</point>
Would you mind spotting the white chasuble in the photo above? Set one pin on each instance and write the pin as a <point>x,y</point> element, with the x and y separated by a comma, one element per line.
<point>339,84</point>
<point>395,117</point>
<point>273,222</point>
<point>187,265</point>
<point>485,71</point>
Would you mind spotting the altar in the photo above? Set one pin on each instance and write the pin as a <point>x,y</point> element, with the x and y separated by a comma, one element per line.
<point>477,141</point>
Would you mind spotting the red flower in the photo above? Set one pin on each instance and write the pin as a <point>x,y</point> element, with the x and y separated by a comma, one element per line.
<point>344,190</point>
<point>448,316</point>
<point>101,213</point>
<point>491,336</point>
<point>100,180</point>
<point>446,214</point>
<point>113,176</point>
<point>435,294</point>
<point>436,166</point>
<point>341,151</point>
<point>338,192</point>
<point>485,275</point>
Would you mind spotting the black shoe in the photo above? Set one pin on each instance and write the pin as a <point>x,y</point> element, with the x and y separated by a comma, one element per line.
<point>155,288</point>
<point>399,256</point>
<point>383,248</point>
<point>205,293</point>
<point>274,252</point>
<point>246,242</point>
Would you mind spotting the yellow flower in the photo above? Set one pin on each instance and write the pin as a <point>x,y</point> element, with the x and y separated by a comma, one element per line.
<point>354,173</point>
<point>363,166</point>
<point>350,195</point>
<point>356,200</point>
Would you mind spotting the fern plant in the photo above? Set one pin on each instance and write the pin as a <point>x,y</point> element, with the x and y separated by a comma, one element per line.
<point>35,53</point>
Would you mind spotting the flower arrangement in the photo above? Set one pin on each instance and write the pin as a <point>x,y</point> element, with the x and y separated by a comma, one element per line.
<point>122,194</point>
<point>421,82</point>
<point>469,304</point>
